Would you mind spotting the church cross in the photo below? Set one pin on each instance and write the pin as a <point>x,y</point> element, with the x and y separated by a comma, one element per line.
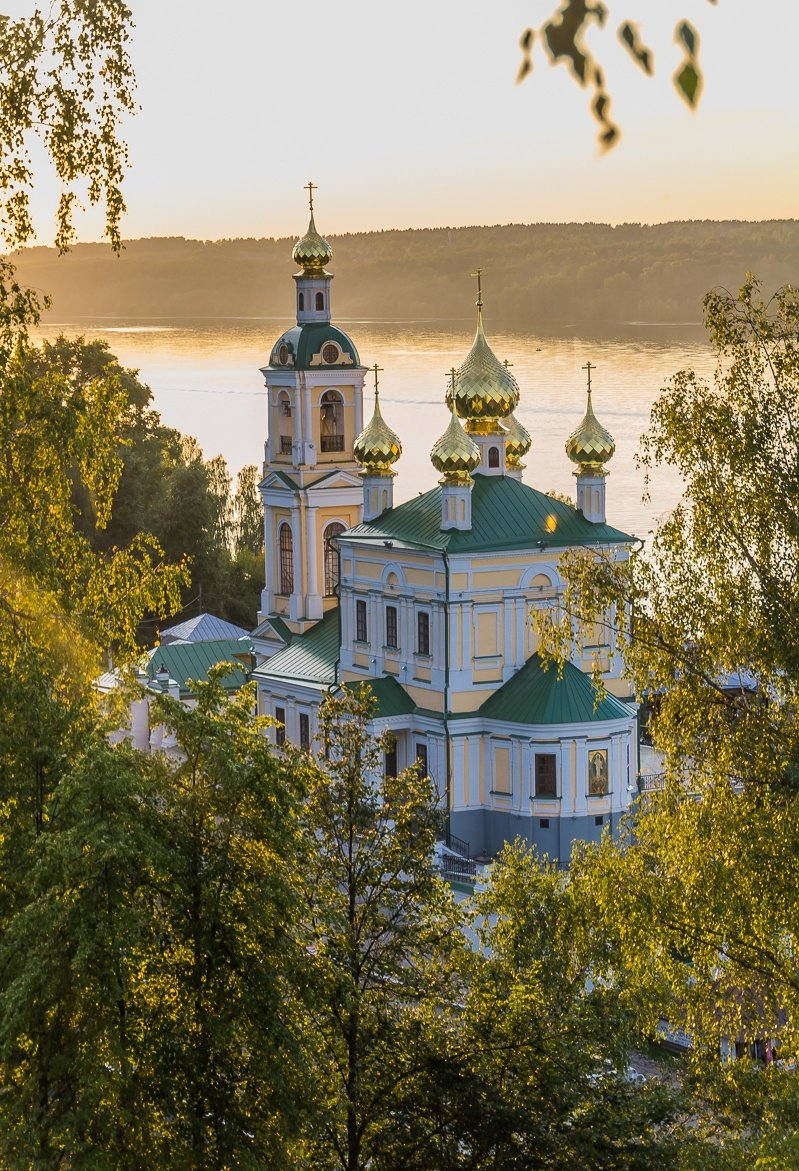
<point>479,273</point>
<point>378,370</point>
<point>310,188</point>
<point>507,364</point>
<point>589,368</point>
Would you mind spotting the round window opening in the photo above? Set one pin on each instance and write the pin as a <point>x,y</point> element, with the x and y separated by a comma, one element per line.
<point>330,353</point>
<point>283,354</point>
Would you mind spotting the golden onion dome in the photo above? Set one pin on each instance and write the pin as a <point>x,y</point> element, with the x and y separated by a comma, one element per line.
<point>518,442</point>
<point>590,446</point>
<point>377,447</point>
<point>312,252</point>
<point>484,388</point>
<point>455,454</point>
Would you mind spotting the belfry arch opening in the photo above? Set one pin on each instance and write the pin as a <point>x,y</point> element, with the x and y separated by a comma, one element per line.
<point>286,549</point>
<point>331,557</point>
<point>331,421</point>
<point>284,423</point>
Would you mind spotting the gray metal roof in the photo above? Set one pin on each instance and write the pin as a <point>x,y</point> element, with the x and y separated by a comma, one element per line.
<point>203,628</point>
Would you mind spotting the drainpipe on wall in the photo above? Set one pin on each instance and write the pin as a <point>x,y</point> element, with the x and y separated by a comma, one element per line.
<point>447,749</point>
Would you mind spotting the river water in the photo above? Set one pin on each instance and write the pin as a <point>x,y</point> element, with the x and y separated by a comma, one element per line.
<point>205,379</point>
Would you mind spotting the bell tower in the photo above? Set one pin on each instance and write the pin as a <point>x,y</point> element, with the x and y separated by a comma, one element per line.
<point>311,489</point>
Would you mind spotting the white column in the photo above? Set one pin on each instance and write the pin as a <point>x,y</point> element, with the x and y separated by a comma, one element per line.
<point>521,624</point>
<point>313,604</point>
<point>268,595</point>
<point>566,779</point>
<point>581,803</point>
<point>307,416</point>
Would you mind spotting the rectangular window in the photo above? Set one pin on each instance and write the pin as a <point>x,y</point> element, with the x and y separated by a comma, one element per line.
<point>280,730</point>
<point>390,764</point>
<point>546,779</point>
<point>391,626</point>
<point>285,445</point>
<point>423,633</point>
<point>305,730</point>
<point>361,631</point>
<point>421,756</point>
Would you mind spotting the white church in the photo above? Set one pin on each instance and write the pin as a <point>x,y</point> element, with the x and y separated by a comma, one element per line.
<point>430,601</point>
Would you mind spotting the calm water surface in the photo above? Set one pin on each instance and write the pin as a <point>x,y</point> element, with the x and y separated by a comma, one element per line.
<point>205,379</point>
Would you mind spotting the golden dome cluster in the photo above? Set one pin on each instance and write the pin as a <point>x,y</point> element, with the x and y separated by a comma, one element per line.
<point>484,390</point>
<point>312,252</point>
<point>455,454</point>
<point>590,445</point>
<point>377,447</point>
<point>517,443</point>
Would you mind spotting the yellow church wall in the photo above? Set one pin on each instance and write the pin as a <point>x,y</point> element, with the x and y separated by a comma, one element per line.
<point>468,701</point>
<point>501,784</point>
<point>496,579</point>
<point>423,697</point>
<point>371,570</point>
<point>459,582</point>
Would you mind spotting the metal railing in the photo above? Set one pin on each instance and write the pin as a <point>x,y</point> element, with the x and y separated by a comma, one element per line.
<point>651,782</point>
<point>457,844</point>
<point>456,869</point>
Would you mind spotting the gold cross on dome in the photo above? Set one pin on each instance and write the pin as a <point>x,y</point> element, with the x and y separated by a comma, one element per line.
<point>378,370</point>
<point>507,364</point>
<point>589,368</point>
<point>310,188</point>
<point>479,273</point>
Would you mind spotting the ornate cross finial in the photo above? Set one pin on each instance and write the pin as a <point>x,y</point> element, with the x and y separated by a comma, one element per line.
<point>479,273</point>
<point>310,188</point>
<point>450,396</point>
<point>589,368</point>
<point>377,370</point>
<point>507,364</point>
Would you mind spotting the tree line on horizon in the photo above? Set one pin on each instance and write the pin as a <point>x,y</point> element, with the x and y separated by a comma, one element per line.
<point>537,276</point>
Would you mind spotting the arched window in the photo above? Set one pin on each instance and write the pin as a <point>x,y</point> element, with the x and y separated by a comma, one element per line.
<point>331,423</point>
<point>331,557</point>
<point>286,560</point>
<point>493,457</point>
<point>301,301</point>
<point>320,300</point>
<point>284,424</point>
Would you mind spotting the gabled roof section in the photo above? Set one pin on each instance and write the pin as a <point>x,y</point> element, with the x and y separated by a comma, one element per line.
<point>392,698</point>
<point>506,514</point>
<point>202,628</point>
<point>536,696</point>
<point>283,478</point>
<point>274,624</point>
<point>310,657</point>
<point>337,478</point>
<point>193,660</point>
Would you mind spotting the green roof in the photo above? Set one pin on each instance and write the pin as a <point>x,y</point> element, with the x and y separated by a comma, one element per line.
<point>392,698</point>
<point>310,657</point>
<point>536,696</point>
<point>193,660</point>
<point>506,514</point>
<point>304,341</point>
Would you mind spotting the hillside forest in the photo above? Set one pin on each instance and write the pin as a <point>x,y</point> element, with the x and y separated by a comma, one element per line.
<point>536,275</point>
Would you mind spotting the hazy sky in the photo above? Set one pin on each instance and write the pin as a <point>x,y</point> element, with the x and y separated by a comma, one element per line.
<point>406,114</point>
